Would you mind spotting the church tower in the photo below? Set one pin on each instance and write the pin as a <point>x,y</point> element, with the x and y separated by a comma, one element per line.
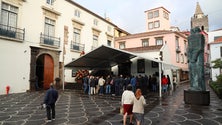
<point>199,19</point>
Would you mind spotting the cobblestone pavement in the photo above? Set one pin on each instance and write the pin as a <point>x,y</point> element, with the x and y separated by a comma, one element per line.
<point>75,108</point>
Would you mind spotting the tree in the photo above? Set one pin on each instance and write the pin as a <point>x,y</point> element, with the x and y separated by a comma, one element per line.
<point>218,64</point>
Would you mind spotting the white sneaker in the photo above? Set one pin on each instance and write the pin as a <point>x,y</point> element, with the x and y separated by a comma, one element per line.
<point>53,119</point>
<point>48,121</point>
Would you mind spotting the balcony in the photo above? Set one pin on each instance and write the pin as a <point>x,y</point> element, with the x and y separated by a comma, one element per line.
<point>178,50</point>
<point>77,46</point>
<point>49,40</point>
<point>12,32</point>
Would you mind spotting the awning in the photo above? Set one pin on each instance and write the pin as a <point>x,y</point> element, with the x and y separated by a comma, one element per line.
<point>105,57</point>
<point>101,58</point>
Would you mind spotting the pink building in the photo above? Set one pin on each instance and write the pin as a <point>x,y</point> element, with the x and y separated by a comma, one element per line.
<point>161,41</point>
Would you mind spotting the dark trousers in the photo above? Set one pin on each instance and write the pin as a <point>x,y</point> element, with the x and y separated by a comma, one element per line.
<point>50,109</point>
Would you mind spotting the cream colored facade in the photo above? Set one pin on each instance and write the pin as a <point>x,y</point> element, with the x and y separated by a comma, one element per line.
<point>44,33</point>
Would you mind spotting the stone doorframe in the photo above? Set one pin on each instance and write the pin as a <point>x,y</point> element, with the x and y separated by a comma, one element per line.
<point>35,53</point>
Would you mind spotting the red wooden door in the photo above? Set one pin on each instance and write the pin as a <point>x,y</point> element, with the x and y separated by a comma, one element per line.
<point>48,71</point>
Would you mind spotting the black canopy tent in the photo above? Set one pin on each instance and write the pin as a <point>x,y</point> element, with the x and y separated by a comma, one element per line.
<point>105,57</point>
<point>102,57</point>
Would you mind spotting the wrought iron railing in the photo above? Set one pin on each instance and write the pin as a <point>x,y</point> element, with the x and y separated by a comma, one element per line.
<point>12,32</point>
<point>77,46</point>
<point>49,40</point>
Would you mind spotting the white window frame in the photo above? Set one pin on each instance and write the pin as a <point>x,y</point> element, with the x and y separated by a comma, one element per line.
<point>159,41</point>
<point>122,45</point>
<point>76,35</point>
<point>177,57</point>
<point>9,15</point>
<point>109,43</point>
<point>95,22</point>
<point>150,15</point>
<point>49,28</point>
<point>156,24</point>
<point>165,15</point>
<point>145,42</point>
<point>182,58</point>
<point>50,2</point>
<point>95,41</point>
<point>77,13</point>
<point>150,25</point>
<point>156,14</point>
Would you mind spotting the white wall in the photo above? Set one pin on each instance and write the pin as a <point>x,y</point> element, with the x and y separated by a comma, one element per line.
<point>86,32</point>
<point>212,34</point>
<point>15,66</point>
<point>215,54</point>
<point>15,56</point>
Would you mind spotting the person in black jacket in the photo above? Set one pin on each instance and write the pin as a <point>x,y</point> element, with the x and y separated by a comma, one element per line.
<point>50,100</point>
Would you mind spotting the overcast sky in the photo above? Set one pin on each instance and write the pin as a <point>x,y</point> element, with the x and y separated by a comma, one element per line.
<point>129,14</point>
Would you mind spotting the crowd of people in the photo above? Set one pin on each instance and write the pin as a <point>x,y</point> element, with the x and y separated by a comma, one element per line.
<point>131,89</point>
<point>115,85</point>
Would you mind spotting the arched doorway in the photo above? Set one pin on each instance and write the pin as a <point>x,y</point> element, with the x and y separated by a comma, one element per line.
<point>45,71</point>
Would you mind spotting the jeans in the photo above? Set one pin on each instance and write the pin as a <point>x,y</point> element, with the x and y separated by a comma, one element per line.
<point>154,87</point>
<point>108,89</point>
<point>89,92</point>
<point>100,89</point>
<point>85,88</point>
<point>50,110</point>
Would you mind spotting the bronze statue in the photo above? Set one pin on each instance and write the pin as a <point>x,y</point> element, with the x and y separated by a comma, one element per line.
<point>196,44</point>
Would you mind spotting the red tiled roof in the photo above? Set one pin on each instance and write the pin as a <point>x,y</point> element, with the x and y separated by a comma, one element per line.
<point>218,40</point>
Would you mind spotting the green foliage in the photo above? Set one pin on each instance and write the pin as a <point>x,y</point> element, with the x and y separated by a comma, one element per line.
<point>219,79</point>
<point>217,87</point>
<point>217,63</point>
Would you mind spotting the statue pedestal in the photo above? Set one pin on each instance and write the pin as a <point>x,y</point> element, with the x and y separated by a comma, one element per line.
<point>197,97</point>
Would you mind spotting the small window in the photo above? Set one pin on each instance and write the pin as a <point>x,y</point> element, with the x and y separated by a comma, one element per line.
<point>140,66</point>
<point>177,57</point>
<point>50,1</point>
<point>150,25</point>
<point>150,15</point>
<point>156,13</point>
<point>95,22</point>
<point>145,42</point>
<point>159,41</point>
<point>177,41</point>
<point>109,42</point>
<point>156,24</point>
<point>76,35</point>
<point>220,51</point>
<point>185,46</point>
<point>109,29</point>
<point>95,41</point>
<point>182,58</point>
<point>122,45</point>
<point>77,13</point>
<point>165,15</point>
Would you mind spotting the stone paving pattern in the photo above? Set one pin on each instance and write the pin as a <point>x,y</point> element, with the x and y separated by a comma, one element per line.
<point>75,108</point>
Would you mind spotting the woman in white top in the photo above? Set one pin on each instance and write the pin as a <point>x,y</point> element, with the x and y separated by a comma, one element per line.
<point>138,107</point>
<point>127,103</point>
